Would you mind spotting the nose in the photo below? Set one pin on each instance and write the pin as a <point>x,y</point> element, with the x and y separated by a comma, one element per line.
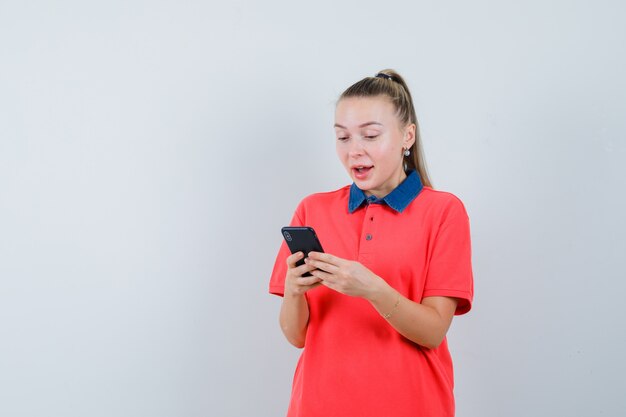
<point>356,148</point>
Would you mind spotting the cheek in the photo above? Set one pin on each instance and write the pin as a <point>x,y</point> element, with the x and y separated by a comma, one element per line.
<point>381,151</point>
<point>386,154</point>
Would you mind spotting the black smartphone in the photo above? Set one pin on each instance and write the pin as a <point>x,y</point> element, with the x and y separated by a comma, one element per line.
<point>301,239</point>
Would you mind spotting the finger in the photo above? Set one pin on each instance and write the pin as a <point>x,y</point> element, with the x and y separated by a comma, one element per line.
<point>330,284</point>
<point>305,288</point>
<point>325,257</point>
<point>308,281</point>
<point>330,268</point>
<point>323,275</point>
<point>317,284</point>
<point>292,259</point>
<point>300,270</point>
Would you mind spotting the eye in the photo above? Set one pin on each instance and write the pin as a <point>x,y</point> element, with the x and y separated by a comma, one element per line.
<point>342,138</point>
<point>372,137</point>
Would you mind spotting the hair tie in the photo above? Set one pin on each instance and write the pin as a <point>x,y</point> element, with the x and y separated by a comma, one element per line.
<point>385,76</point>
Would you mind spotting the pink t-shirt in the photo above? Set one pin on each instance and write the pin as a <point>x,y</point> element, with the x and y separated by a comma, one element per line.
<point>354,363</point>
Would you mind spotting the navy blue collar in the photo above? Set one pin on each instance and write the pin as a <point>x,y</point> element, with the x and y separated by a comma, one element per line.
<point>398,199</point>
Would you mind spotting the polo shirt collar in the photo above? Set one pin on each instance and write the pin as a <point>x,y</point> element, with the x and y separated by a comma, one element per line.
<point>398,199</point>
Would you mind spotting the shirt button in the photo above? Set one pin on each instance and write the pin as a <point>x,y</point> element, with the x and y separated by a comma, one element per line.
<point>368,237</point>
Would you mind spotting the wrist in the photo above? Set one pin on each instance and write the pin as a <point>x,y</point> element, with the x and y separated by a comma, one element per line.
<point>378,290</point>
<point>292,293</point>
<point>385,300</point>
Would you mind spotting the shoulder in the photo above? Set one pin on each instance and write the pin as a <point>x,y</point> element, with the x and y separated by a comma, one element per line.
<point>318,202</point>
<point>440,198</point>
<point>326,198</point>
<point>442,202</point>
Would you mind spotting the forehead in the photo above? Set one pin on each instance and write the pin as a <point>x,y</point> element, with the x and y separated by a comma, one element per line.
<point>357,110</point>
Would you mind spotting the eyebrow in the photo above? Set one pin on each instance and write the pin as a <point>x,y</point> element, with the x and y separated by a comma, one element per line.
<point>360,126</point>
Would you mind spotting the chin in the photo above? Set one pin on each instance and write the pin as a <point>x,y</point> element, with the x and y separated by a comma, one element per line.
<point>366,185</point>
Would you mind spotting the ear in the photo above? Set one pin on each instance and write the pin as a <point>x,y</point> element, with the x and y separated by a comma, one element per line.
<point>409,136</point>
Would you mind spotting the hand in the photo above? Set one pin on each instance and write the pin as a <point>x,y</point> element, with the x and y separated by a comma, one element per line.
<point>295,283</point>
<point>344,276</point>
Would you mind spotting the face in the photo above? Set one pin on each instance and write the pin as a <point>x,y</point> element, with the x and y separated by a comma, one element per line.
<point>371,142</point>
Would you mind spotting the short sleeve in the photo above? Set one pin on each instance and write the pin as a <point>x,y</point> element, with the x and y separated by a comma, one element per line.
<point>277,279</point>
<point>450,266</point>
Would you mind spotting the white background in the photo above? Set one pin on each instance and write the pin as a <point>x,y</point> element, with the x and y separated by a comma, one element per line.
<point>150,151</point>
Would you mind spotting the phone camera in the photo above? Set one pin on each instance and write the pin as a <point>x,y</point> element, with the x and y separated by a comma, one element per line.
<point>287,236</point>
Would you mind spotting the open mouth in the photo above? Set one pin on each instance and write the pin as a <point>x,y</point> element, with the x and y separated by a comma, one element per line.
<point>361,171</point>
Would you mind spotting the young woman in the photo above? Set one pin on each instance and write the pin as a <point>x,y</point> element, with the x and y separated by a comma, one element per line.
<point>373,317</point>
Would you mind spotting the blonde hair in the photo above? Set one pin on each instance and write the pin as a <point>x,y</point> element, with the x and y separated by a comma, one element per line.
<point>388,83</point>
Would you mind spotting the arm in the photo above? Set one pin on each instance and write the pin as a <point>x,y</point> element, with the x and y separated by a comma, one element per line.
<point>424,323</point>
<point>294,311</point>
